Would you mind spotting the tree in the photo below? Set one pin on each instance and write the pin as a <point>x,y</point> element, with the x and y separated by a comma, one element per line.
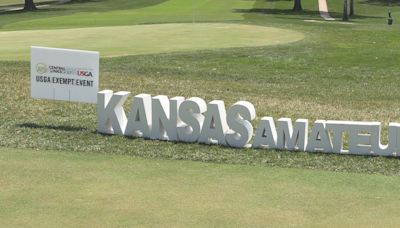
<point>351,13</point>
<point>297,5</point>
<point>29,5</point>
<point>345,11</point>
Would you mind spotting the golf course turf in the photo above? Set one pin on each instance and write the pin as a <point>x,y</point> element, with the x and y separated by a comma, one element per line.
<point>58,188</point>
<point>56,170</point>
<point>145,39</point>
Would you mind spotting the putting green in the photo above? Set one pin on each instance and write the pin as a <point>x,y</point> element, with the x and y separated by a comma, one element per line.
<point>145,39</point>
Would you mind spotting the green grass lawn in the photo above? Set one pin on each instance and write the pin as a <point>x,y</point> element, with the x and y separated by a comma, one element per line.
<point>333,71</point>
<point>145,39</point>
<point>54,188</point>
<point>127,12</point>
<point>338,71</point>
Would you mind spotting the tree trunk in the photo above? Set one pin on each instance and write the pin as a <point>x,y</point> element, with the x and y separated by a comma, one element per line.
<point>297,5</point>
<point>351,8</point>
<point>29,5</point>
<point>345,11</point>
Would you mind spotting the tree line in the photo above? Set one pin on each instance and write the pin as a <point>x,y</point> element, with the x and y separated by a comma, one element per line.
<point>348,7</point>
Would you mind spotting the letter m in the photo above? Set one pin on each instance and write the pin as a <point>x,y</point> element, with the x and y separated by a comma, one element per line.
<point>292,138</point>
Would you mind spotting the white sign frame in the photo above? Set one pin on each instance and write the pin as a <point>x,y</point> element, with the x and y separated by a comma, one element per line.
<point>64,74</point>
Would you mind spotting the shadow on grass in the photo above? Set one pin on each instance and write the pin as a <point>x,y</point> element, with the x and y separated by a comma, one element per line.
<point>74,6</point>
<point>290,12</point>
<point>105,5</point>
<point>83,1</point>
<point>13,7</point>
<point>276,11</point>
<point>51,127</point>
<point>381,2</point>
<point>20,11</point>
<point>37,4</point>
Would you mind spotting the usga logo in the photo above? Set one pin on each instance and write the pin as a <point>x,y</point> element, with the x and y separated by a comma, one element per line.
<point>84,73</point>
<point>41,68</point>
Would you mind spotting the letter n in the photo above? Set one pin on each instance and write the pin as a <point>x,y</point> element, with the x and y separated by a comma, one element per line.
<point>165,117</point>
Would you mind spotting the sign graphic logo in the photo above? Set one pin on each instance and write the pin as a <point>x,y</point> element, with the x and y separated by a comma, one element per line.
<point>41,68</point>
<point>85,73</point>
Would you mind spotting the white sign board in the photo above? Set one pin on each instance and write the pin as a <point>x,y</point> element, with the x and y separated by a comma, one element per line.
<point>64,74</point>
